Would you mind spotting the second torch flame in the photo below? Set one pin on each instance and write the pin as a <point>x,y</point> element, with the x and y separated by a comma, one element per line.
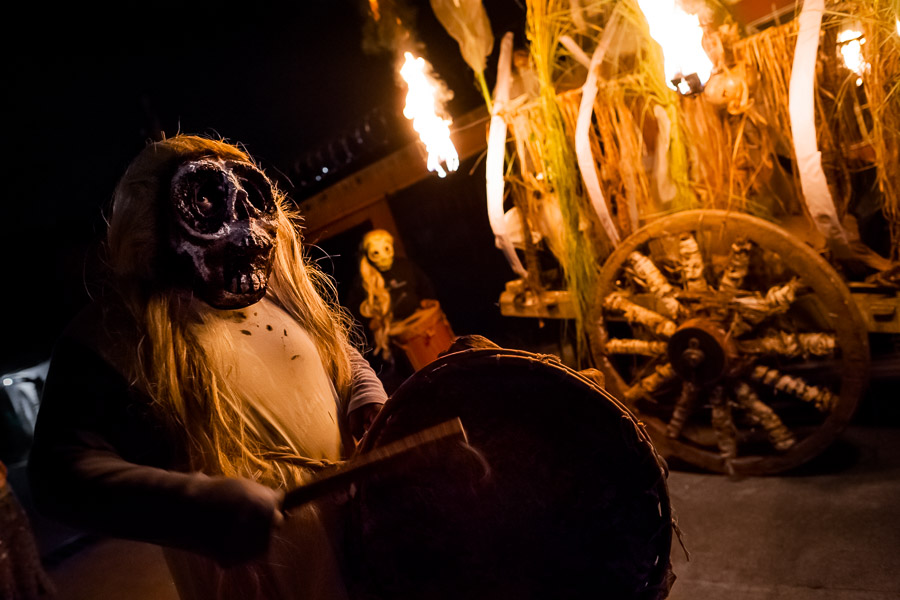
<point>421,108</point>
<point>681,38</point>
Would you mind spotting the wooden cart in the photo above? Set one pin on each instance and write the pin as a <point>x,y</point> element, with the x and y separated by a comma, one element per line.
<point>727,302</point>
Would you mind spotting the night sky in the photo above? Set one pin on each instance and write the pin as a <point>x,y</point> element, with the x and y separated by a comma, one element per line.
<point>85,92</point>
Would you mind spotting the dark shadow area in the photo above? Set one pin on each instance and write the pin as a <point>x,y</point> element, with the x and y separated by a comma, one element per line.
<point>839,457</point>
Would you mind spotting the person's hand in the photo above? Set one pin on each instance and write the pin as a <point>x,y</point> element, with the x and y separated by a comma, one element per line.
<point>243,514</point>
<point>362,418</point>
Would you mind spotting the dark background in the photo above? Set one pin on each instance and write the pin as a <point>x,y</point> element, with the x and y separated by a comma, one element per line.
<point>291,82</point>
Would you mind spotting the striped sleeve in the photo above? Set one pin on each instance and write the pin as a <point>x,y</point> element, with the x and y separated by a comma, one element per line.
<point>365,387</point>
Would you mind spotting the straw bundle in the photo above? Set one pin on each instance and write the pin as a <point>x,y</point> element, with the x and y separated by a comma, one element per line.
<point>725,159</point>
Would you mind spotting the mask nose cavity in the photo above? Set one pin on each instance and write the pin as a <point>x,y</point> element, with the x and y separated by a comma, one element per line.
<point>243,210</point>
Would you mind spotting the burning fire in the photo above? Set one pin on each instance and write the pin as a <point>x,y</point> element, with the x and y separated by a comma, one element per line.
<point>680,36</point>
<point>422,107</point>
<point>850,42</point>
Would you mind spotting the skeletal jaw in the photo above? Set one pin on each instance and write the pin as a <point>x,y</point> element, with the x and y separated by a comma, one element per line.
<point>244,284</point>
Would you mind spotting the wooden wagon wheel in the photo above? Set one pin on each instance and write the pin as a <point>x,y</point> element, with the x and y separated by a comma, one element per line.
<point>736,344</point>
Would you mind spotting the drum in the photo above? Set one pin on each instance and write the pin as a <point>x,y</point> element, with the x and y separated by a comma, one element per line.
<point>559,493</point>
<point>423,335</point>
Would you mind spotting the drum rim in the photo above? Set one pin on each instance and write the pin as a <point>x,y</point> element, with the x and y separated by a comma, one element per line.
<point>477,356</point>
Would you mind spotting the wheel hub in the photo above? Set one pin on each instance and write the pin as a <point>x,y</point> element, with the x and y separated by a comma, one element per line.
<point>700,351</point>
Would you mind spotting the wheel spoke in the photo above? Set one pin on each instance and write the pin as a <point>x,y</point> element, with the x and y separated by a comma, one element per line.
<point>779,434</point>
<point>778,299</point>
<point>653,279</point>
<point>822,398</point>
<point>632,346</point>
<point>691,264</point>
<point>635,313</point>
<point>683,409</point>
<point>649,384</point>
<point>723,424</point>
<point>790,345</point>
<point>736,269</point>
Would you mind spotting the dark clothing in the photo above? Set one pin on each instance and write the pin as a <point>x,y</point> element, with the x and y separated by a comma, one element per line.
<point>101,461</point>
<point>21,575</point>
<point>407,284</point>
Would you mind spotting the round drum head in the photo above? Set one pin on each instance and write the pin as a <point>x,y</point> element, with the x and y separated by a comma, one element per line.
<point>563,495</point>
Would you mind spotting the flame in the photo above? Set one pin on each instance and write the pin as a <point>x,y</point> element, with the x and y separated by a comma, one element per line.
<point>421,108</point>
<point>680,36</point>
<point>851,41</point>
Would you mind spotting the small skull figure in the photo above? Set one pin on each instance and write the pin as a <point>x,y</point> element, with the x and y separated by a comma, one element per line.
<point>224,231</point>
<point>729,89</point>
<point>379,245</point>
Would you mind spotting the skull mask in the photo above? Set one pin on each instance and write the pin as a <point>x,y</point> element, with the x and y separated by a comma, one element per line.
<point>224,230</point>
<point>379,245</point>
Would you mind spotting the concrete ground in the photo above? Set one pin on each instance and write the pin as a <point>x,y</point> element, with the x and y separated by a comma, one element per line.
<point>829,531</point>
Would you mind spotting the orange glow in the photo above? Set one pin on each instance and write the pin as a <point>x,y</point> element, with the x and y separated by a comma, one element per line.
<point>422,107</point>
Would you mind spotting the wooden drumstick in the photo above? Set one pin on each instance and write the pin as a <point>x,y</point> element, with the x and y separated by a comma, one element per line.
<point>449,432</point>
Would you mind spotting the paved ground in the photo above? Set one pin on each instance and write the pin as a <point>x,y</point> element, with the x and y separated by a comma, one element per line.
<point>830,531</point>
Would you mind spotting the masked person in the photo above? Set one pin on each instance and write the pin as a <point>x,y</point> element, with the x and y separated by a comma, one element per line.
<point>396,301</point>
<point>390,288</point>
<point>209,377</point>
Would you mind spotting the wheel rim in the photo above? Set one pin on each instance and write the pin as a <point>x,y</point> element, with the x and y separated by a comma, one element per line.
<point>738,346</point>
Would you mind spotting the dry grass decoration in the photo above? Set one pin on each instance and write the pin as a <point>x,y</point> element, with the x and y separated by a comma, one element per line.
<point>862,112</point>
<point>658,152</point>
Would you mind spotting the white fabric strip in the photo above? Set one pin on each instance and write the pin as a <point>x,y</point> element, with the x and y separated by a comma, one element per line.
<point>586,162</point>
<point>803,125</point>
<point>495,157</point>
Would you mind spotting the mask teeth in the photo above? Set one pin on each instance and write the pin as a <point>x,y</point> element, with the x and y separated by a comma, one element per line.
<point>235,285</point>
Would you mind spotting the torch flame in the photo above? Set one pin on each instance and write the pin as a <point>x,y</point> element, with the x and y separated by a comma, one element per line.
<point>681,38</point>
<point>421,105</point>
<point>850,42</point>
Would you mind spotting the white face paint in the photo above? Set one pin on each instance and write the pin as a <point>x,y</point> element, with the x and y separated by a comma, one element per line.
<point>380,250</point>
<point>225,229</point>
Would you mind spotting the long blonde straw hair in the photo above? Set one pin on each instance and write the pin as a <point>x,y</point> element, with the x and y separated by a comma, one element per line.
<point>377,305</point>
<point>171,365</point>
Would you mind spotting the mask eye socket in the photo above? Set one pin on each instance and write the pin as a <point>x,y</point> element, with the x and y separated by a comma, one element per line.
<point>200,195</point>
<point>210,197</point>
<point>259,199</point>
<point>257,186</point>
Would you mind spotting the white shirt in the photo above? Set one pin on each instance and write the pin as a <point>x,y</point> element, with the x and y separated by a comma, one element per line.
<point>273,364</point>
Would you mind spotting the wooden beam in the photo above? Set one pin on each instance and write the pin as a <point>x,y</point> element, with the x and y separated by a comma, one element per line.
<point>389,175</point>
